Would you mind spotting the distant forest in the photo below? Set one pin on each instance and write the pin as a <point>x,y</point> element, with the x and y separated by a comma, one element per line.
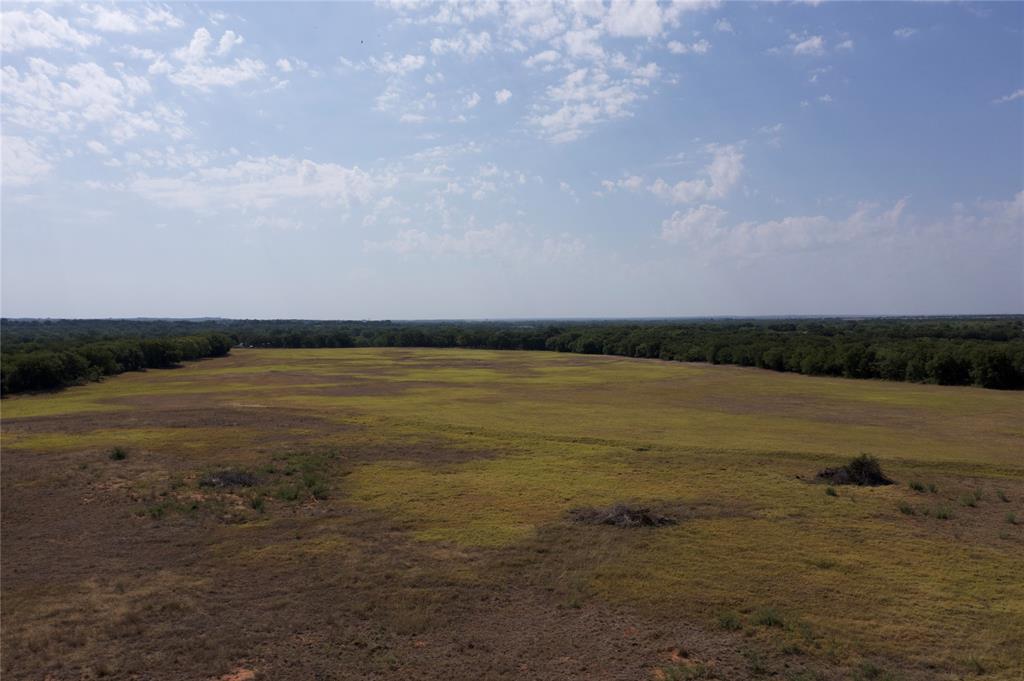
<point>982,351</point>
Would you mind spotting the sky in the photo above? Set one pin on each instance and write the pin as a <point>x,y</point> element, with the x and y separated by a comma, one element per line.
<point>399,160</point>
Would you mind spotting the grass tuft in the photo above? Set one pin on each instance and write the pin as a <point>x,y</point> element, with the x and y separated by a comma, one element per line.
<point>730,621</point>
<point>907,509</point>
<point>768,617</point>
<point>118,454</point>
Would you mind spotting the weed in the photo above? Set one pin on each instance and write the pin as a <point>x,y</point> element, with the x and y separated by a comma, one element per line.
<point>974,665</point>
<point>288,493</point>
<point>869,671</point>
<point>916,485</point>
<point>730,621</point>
<point>257,504</point>
<point>679,672</point>
<point>118,454</point>
<point>943,513</point>
<point>792,649</point>
<point>969,500</point>
<point>932,488</point>
<point>977,494</point>
<point>907,509</point>
<point>755,664</point>
<point>768,617</point>
<point>1002,496</point>
<point>824,563</point>
<point>831,491</point>
<point>1011,518</point>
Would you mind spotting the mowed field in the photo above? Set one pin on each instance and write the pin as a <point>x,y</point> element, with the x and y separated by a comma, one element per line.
<point>409,518</point>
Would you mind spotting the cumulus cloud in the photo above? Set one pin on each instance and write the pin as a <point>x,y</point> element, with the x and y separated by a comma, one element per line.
<point>716,179</point>
<point>1017,94</point>
<point>696,226</point>
<point>123,19</point>
<point>543,59</point>
<point>22,162</point>
<point>467,45</point>
<point>21,31</point>
<point>398,66</point>
<point>502,96</point>
<point>587,97</point>
<point>905,32</point>
<point>198,69</point>
<point>698,47</point>
<point>471,100</point>
<point>261,183</point>
<point>813,46</point>
<point>49,99</point>
<point>723,26</point>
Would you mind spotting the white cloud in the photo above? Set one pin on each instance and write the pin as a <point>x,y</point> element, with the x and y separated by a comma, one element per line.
<point>845,45</point>
<point>1017,94</point>
<point>813,46</point>
<point>698,47</point>
<point>228,41</point>
<point>199,72</point>
<point>502,96</point>
<point>634,19</point>
<point>584,43</point>
<point>284,65</point>
<point>411,118</point>
<point>467,45</point>
<point>398,67</point>
<point>905,32</point>
<point>715,182</point>
<point>470,101</point>
<point>22,162</point>
<point>588,97</point>
<point>51,99</point>
<point>39,30</point>
<point>723,26</point>
<point>696,226</point>
<point>261,183</point>
<point>825,99</point>
<point>543,59</point>
<point>98,147</point>
<point>123,19</point>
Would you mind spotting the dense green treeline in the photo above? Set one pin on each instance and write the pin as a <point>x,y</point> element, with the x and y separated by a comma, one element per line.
<point>988,352</point>
<point>44,366</point>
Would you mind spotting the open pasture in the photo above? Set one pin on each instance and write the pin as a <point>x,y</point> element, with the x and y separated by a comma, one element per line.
<point>406,514</point>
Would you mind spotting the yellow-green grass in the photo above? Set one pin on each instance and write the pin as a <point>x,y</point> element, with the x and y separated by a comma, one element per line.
<point>733,448</point>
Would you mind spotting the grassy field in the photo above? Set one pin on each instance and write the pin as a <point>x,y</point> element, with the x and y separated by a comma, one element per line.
<point>409,517</point>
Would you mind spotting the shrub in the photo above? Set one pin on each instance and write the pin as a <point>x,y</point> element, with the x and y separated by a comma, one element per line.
<point>768,617</point>
<point>862,470</point>
<point>118,454</point>
<point>831,491</point>
<point>1011,518</point>
<point>1002,496</point>
<point>907,509</point>
<point>943,513</point>
<point>916,486</point>
<point>729,621</point>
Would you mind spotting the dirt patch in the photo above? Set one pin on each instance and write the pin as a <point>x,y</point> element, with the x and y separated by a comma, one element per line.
<point>621,515</point>
<point>864,470</point>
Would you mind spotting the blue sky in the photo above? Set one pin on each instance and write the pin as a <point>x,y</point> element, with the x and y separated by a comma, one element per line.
<point>487,160</point>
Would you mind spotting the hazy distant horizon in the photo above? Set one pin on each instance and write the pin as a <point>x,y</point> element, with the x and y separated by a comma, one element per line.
<point>512,160</point>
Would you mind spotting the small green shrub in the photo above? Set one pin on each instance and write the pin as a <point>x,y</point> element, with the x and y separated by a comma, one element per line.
<point>969,500</point>
<point>1002,496</point>
<point>943,513</point>
<point>907,509</point>
<point>831,491</point>
<point>729,621</point>
<point>288,493</point>
<point>932,488</point>
<point>1011,518</point>
<point>768,617</point>
<point>916,485</point>
<point>118,454</point>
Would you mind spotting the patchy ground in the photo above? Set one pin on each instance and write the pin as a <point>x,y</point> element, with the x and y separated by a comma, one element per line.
<point>361,514</point>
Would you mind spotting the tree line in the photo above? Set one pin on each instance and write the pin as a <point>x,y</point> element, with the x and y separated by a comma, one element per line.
<point>982,351</point>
